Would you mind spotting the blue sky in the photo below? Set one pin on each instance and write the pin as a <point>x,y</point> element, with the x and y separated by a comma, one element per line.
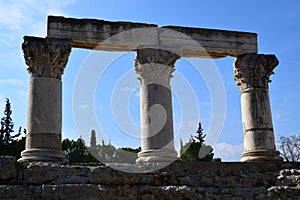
<point>276,22</point>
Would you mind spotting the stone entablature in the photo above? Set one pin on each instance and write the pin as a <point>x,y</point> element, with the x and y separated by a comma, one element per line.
<point>101,35</point>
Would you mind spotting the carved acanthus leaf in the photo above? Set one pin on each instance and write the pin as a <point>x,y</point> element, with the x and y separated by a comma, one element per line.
<point>155,66</point>
<point>46,57</point>
<point>254,70</point>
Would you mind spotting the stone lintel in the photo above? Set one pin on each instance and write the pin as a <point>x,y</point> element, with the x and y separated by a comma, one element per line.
<point>192,42</point>
<point>217,43</point>
<point>101,35</point>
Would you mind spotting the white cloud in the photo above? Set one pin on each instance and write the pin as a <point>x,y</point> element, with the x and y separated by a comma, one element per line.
<point>137,93</point>
<point>280,118</point>
<point>228,152</point>
<point>22,93</point>
<point>193,123</point>
<point>83,107</point>
<point>12,81</point>
<point>128,89</point>
<point>11,15</point>
<point>27,17</point>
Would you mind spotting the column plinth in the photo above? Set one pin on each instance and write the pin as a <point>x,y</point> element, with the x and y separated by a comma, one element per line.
<point>252,72</point>
<point>155,67</point>
<point>46,60</point>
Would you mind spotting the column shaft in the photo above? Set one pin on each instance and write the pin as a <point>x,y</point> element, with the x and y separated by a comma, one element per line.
<point>156,117</point>
<point>252,72</point>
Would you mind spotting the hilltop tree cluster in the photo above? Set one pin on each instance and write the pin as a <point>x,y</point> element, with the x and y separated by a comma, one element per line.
<point>78,152</point>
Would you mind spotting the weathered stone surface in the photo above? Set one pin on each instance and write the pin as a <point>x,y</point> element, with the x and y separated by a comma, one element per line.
<point>102,35</point>
<point>50,173</point>
<point>252,72</point>
<point>44,112</point>
<point>73,191</point>
<point>183,192</point>
<point>103,175</point>
<point>44,116</point>
<point>180,181</point>
<point>191,42</point>
<point>200,42</point>
<point>20,192</point>
<point>284,192</point>
<point>287,186</point>
<point>46,59</point>
<point>155,67</point>
<point>7,167</point>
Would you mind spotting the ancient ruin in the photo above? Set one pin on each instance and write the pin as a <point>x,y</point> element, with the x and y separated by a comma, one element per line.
<point>158,49</point>
<point>259,176</point>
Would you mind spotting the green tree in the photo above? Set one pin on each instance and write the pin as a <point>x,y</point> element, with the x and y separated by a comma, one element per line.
<point>7,126</point>
<point>10,144</point>
<point>127,155</point>
<point>196,150</point>
<point>199,135</point>
<point>76,151</point>
<point>14,148</point>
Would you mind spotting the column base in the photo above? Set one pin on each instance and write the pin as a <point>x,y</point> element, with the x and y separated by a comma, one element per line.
<point>46,155</point>
<point>157,156</point>
<point>261,156</point>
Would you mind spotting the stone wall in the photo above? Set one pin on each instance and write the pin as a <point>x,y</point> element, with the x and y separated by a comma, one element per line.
<point>178,181</point>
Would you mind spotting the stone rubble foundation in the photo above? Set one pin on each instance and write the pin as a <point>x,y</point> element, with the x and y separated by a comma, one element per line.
<point>182,181</point>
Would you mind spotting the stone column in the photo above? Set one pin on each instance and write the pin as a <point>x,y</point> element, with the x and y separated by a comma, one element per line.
<point>252,72</point>
<point>46,59</point>
<point>155,67</point>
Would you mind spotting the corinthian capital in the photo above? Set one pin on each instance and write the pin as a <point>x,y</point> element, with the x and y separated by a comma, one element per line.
<point>158,56</point>
<point>46,57</point>
<point>254,70</point>
<point>155,66</point>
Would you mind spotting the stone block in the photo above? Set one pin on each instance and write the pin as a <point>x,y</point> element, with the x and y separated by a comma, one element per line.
<point>73,191</point>
<point>7,167</point>
<point>20,192</point>
<point>200,42</point>
<point>109,176</point>
<point>42,173</point>
<point>103,35</point>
